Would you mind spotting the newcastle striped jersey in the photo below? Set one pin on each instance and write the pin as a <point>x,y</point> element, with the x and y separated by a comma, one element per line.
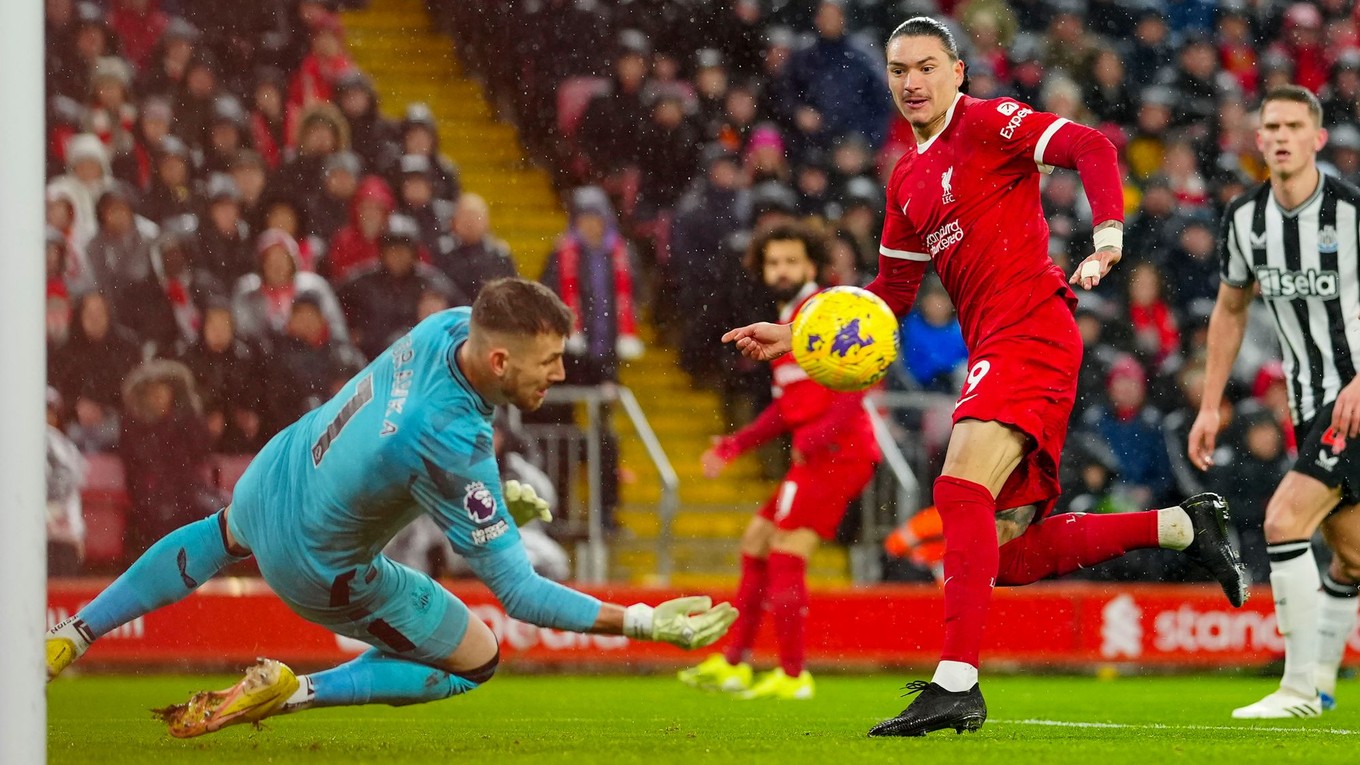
<point>1305,263</point>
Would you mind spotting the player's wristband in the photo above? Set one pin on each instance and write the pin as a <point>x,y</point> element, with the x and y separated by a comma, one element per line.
<point>637,621</point>
<point>1110,236</point>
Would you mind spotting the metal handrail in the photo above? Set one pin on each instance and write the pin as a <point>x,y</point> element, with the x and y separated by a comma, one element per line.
<point>596,569</point>
<point>670,482</point>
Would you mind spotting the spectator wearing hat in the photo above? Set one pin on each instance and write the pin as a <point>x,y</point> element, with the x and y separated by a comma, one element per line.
<point>669,157</point>
<point>1132,428</point>
<point>711,83</point>
<point>224,239</point>
<point>154,121</point>
<point>356,244</point>
<point>286,214</point>
<point>321,131</point>
<point>138,24</point>
<point>66,469</point>
<point>87,176</point>
<point>416,200</point>
<point>165,307</point>
<point>470,256</point>
<point>1192,270</point>
<point>420,138</point>
<point>381,301</point>
<point>229,375</point>
<point>1343,152</point>
<point>307,363</point>
<point>164,448</point>
<point>163,73</point>
<point>119,254</point>
<point>171,193</point>
<point>262,299</point>
<point>837,84</point>
<point>110,114</point>
<point>268,116</point>
<point>328,211</point>
<point>89,369</point>
<point>766,157</point>
<point>90,40</point>
<point>372,136</point>
<point>607,132</point>
<point>228,134</point>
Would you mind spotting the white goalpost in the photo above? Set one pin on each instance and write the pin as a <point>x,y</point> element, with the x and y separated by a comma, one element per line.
<point>23,546</point>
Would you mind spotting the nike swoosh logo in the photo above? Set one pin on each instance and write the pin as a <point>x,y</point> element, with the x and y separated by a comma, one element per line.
<point>964,400</point>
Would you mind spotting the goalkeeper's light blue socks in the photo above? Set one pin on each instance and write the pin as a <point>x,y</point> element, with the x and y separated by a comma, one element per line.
<point>375,678</point>
<point>174,567</point>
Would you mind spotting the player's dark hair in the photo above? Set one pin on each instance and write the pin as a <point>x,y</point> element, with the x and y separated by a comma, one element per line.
<point>520,307</point>
<point>814,244</point>
<point>1299,95</point>
<point>924,26</point>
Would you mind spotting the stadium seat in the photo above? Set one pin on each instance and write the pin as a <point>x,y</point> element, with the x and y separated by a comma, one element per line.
<point>572,97</point>
<point>104,503</point>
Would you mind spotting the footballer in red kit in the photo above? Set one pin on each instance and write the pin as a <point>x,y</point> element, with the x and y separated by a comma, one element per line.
<point>966,199</point>
<point>834,457</point>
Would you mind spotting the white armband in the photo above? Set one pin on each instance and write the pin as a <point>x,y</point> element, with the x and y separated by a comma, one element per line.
<point>1110,236</point>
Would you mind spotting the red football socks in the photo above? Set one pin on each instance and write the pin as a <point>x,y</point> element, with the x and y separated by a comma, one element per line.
<point>968,514</point>
<point>750,603</point>
<point>788,607</point>
<point>1064,543</point>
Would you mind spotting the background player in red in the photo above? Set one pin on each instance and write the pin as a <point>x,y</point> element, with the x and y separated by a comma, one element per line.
<point>834,456</point>
<point>966,198</point>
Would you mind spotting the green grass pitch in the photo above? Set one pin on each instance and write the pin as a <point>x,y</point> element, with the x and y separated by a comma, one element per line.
<point>654,720</point>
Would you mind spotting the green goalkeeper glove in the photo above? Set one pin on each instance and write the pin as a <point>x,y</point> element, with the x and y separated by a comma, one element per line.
<point>692,622</point>
<point>524,503</point>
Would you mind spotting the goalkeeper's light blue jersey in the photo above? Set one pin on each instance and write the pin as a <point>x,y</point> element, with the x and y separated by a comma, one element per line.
<point>406,435</point>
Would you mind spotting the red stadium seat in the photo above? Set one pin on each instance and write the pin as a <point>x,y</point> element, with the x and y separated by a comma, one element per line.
<point>104,504</point>
<point>572,97</point>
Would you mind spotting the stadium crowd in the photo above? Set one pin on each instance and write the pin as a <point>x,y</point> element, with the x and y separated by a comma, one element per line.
<point>233,228</point>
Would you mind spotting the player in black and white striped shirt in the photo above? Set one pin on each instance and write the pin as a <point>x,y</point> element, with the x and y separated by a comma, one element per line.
<point>1295,238</point>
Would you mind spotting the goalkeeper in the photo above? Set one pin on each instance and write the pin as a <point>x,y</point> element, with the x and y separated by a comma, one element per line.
<point>410,434</point>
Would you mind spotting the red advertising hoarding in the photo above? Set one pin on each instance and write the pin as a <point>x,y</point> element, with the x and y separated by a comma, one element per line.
<point>232,621</point>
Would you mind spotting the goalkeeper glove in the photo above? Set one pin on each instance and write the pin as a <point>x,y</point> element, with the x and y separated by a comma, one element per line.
<point>692,622</point>
<point>524,503</point>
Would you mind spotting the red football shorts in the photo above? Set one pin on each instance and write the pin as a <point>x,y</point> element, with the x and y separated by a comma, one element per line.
<point>816,495</point>
<point>1025,376</point>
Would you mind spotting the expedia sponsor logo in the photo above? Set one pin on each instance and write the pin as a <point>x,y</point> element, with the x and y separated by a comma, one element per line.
<point>1007,107</point>
<point>1310,283</point>
<point>1009,130</point>
<point>946,236</point>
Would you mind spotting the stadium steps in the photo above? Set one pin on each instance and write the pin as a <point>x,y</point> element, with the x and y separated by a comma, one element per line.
<point>394,42</point>
<point>708,558</point>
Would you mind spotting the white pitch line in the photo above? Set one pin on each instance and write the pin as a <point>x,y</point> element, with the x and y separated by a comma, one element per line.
<point>1160,726</point>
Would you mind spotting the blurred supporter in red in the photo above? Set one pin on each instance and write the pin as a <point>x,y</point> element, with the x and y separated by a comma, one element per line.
<point>60,218</point>
<point>165,308</point>
<point>268,118</point>
<point>229,375</point>
<point>1301,42</point>
<point>356,244</point>
<point>306,365</point>
<point>89,369</point>
<point>139,25</point>
<point>471,256</point>
<point>1154,325</point>
<point>314,80</point>
<point>420,137</point>
<point>381,301</point>
<point>165,449</point>
<point>1237,47</point>
<point>262,300</point>
<point>1271,391</point>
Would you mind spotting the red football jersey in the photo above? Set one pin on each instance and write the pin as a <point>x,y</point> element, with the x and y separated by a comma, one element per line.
<point>968,200</point>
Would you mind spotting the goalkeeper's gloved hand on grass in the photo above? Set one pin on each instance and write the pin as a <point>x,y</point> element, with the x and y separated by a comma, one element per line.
<point>692,622</point>
<point>524,503</point>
